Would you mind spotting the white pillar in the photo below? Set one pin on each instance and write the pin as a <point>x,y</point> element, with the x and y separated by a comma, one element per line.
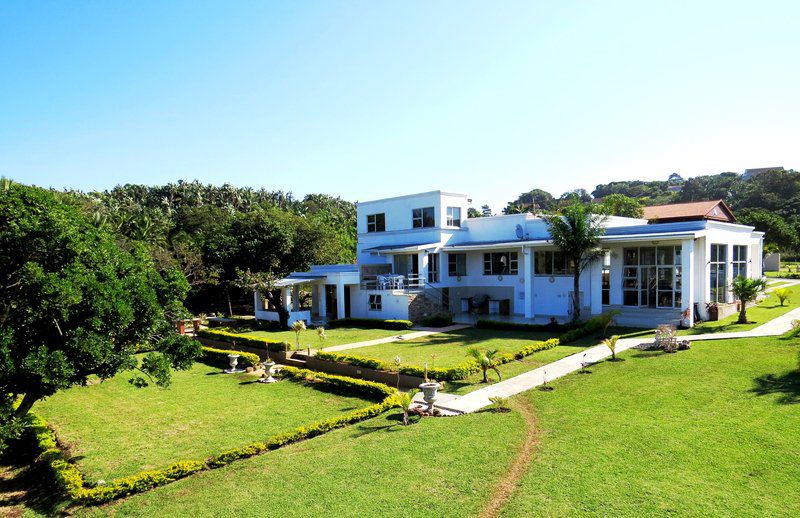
<point>296,297</point>
<point>423,268</point>
<point>340,299</point>
<point>596,287</point>
<point>287,298</point>
<point>528,270</point>
<point>321,302</point>
<point>728,272</point>
<point>256,300</point>
<point>688,278</point>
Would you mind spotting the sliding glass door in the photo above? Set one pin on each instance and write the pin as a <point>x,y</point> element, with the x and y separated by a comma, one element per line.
<point>651,277</point>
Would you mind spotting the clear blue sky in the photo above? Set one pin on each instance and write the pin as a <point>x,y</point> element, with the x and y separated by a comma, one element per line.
<point>371,99</point>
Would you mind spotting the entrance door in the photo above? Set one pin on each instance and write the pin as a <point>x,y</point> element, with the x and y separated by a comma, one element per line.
<point>347,302</point>
<point>330,301</point>
<point>648,284</point>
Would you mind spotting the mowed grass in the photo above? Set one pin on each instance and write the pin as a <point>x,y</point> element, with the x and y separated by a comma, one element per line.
<point>434,467</point>
<point>710,431</point>
<point>114,429</point>
<point>336,336</point>
<point>762,313</point>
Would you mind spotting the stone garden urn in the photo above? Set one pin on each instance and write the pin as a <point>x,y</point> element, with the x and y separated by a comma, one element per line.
<point>233,360</point>
<point>267,376</point>
<point>429,391</point>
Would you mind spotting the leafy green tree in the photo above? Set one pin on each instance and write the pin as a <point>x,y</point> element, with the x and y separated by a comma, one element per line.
<point>777,232</point>
<point>265,283</point>
<point>74,303</point>
<point>576,231</point>
<point>746,290</point>
<point>621,205</point>
<point>474,213</point>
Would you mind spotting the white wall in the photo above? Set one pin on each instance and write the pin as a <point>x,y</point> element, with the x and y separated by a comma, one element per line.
<point>394,306</point>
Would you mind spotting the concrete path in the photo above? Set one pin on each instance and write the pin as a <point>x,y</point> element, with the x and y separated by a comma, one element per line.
<point>419,333</point>
<point>531,379</point>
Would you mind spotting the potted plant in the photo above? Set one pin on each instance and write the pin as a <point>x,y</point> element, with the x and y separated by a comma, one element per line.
<point>713,311</point>
<point>429,390</point>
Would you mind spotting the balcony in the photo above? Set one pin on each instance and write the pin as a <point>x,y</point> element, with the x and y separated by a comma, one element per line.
<point>393,282</point>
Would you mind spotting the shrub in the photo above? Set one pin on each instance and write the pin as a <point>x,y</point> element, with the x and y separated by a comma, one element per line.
<point>518,326</point>
<point>591,326</point>
<point>438,320</point>
<point>220,357</point>
<point>374,323</point>
<point>224,335</point>
<point>782,294</point>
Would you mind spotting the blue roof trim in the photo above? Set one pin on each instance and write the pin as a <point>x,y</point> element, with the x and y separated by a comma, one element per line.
<point>397,247</point>
<point>657,228</point>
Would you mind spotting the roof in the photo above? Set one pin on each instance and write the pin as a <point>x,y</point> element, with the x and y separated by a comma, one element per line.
<point>408,247</point>
<point>715,210</point>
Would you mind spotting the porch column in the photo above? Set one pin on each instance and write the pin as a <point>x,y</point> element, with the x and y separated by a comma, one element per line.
<point>688,278</point>
<point>321,302</point>
<point>255,301</point>
<point>340,299</point>
<point>287,298</point>
<point>423,268</point>
<point>530,264</point>
<point>296,297</point>
<point>596,287</point>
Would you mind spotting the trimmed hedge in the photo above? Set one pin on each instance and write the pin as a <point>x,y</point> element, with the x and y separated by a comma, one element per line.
<point>220,356</point>
<point>249,341</point>
<point>457,372</point>
<point>438,320</point>
<point>70,482</point>
<point>589,327</point>
<point>519,326</point>
<point>373,323</point>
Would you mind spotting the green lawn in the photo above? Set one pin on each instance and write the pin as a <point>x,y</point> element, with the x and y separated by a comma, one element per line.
<point>710,431</point>
<point>767,310</point>
<point>337,336</point>
<point>115,429</point>
<point>435,467</point>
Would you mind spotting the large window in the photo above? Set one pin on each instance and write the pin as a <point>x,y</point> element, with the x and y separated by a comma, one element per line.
<point>739,261</point>
<point>652,277</point>
<point>500,263</point>
<point>453,216</point>
<point>423,218</point>
<point>456,265</point>
<point>376,222</point>
<point>717,275</point>
<point>552,263</point>
<point>433,267</point>
<point>375,303</point>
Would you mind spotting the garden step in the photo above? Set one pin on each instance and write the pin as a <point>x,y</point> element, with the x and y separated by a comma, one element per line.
<point>294,362</point>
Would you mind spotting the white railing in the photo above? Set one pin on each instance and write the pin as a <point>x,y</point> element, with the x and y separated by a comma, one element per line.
<point>393,282</point>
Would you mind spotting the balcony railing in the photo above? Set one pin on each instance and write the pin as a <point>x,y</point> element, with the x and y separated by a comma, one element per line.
<point>393,282</point>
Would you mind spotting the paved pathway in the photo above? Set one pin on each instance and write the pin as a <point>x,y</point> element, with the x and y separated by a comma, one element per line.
<point>422,331</point>
<point>480,398</point>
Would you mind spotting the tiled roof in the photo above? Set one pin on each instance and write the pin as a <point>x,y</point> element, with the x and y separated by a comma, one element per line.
<point>692,210</point>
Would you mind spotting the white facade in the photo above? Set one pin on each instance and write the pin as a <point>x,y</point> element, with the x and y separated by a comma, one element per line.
<point>423,245</point>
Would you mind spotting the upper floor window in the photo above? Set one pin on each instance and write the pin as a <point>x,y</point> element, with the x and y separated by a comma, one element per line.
<point>500,263</point>
<point>422,218</point>
<point>376,222</point>
<point>453,216</point>
<point>456,265</point>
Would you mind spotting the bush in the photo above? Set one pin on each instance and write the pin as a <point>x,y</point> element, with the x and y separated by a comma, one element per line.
<point>589,327</point>
<point>371,323</point>
<point>438,320</point>
<point>220,357</point>
<point>256,343</point>
<point>368,388</point>
<point>517,326</point>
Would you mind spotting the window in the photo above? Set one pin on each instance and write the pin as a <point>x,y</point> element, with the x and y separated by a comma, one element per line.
<point>456,265</point>
<point>739,262</point>
<point>376,222</point>
<point>552,263</point>
<point>453,216</point>
<point>500,263</point>
<point>651,277</point>
<point>423,218</point>
<point>606,278</point>
<point>717,275</point>
<point>375,303</point>
<point>433,268</point>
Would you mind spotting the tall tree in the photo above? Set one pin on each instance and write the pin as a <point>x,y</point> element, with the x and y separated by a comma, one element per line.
<point>74,303</point>
<point>620,205</point>
<point>576,230</point>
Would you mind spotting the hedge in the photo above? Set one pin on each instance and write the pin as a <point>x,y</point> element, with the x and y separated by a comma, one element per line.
<point>373,323</point>
<point>70,481</point>
<point>438,320</point>
<point>457,372</point>
<point>249,341</point>
<point>519,326</point>
<point>220,356</point>
<point>589,327</point>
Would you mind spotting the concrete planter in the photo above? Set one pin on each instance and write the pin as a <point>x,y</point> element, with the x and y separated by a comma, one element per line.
<point>429,391</point>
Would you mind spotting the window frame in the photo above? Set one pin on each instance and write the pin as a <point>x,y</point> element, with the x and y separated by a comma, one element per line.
<point>453,264</point>
<point>718,265</point>
<point>544,264</point>
<point>739,264</point>
<point>452,220</point>
<point>489,263</point>
<point>434,268</point>
<point>375,222</point>
<point>375,302</point>
<point>423,217</point>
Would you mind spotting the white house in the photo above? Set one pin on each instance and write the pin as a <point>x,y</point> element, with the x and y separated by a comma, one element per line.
<point>418,254</point>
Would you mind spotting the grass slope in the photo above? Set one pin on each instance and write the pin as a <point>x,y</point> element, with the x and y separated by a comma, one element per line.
<point>435,467</point>
<point>711,431</point>
<point>336,336</point>
<point>116,429</point>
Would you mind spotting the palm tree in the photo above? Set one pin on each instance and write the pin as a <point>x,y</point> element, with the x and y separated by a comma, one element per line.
<point>782,294</point>
<point>298,326</point>
<point>485,360</point>
<point>611,343</point>
<point>403,400</point>
<point>576,231</point>
<point>746,290</point>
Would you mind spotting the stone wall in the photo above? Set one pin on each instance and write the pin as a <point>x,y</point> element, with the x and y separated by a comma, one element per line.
<point>420,306</point>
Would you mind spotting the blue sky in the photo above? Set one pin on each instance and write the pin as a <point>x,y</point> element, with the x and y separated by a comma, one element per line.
<point>372,99</point>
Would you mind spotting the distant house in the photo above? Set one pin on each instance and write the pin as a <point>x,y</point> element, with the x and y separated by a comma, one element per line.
<point>714,210</point>
<point>419,254</point>
<point>752,173</point>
